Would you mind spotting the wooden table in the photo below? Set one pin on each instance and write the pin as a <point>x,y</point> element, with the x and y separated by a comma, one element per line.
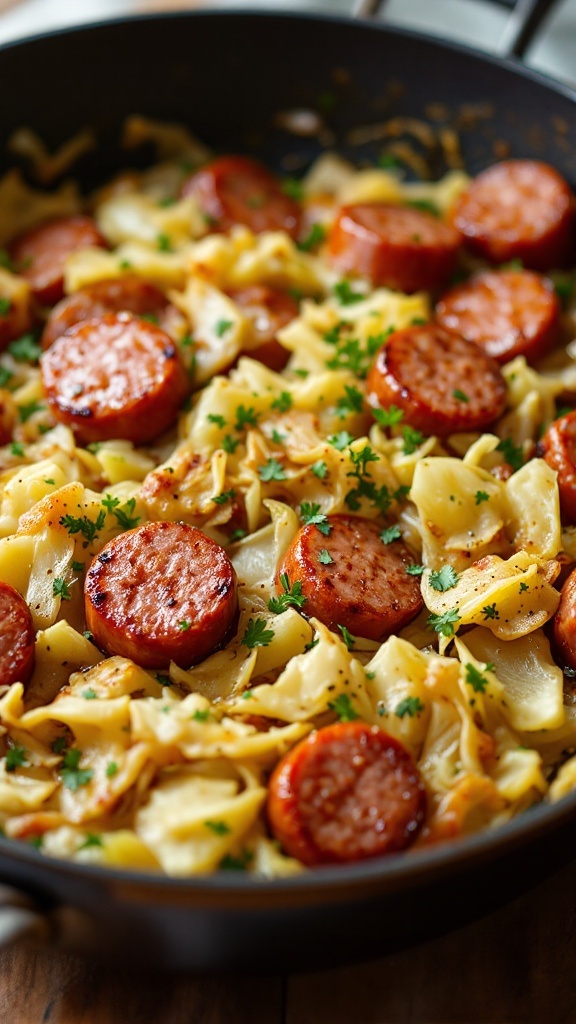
<point>515,966</point>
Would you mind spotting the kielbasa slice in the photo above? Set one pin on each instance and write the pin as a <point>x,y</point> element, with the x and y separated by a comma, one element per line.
<point>365,587</point>
<point>128,293</point>
<point>268,309</point>
<point>558,448</point>
<point>115,376</point>
<point>238,190</point>
<point>565,624</point>
<point>508,313</point>
<point>347,792</point>
<point>395,246</point>
<point>519,210</point>
<point>39,255</point>
<point>442,383</point>
<point>17,636</point>
<point>159,593</point>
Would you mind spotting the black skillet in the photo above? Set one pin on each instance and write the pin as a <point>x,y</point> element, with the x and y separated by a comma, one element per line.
<point>227,75</point>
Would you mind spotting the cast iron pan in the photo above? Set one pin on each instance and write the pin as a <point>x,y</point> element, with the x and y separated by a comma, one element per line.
<point>227,75</point>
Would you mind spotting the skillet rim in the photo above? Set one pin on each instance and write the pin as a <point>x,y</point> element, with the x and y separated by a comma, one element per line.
<point>412,867</point>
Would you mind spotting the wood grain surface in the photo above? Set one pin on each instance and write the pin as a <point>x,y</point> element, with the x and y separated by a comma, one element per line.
<point>515,966</point>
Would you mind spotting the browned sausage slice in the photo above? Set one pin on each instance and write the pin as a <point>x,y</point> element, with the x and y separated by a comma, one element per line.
<point>40,254</point>
<point>508,313</point>
<point>519,209</point>
<point>162,592</point>
<point>345,793</point>
<point>365,587</point>
<point>269,310</point>
<point>17,635</point>
<point>115,377</point>
<point>443,383</point>
<point>565,624</point>
<point>396,246</point>
<point>558,448</point>
<point>128,293</point>
<point>237,190</point>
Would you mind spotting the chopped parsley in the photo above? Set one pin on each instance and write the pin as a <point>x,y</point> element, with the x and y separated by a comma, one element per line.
<point>201,715</point>
<point>271,470</point>
<point>277,437</point>
<point>293,188</point>
<point>342,705</point>
<point>71,774</point>
<point>345,294</point>
<point>426,205</point>
<point>239,863</point>
<point>163,242</point>
<point>351,354</point>
<point>91,840</point>
<point>163,680</point>
<point>61,589</point>
<point>5,306</point>
<point>229,444</point>
<point>221,499</point>
<point>184,625</point>
<point>213,417</point>
<point>15,758</point>
<point>17,449</point>
<point>123,515</point>
<point>523,587</point>
<point>283,403</point>
<point>325,558</point>
<point>490,611</point>
<point>390,534</point>
<point>292,596</point>
<point>25,349</point>
<point>312,515</point>
<point>477,681</point>
<point>257,634</point>
<point>221,327</point>
<point>83,525</point>
<point>414,570</point>
<point>444,578</point>
<point>320,469</point>
<point>388,417</point>
<point>444,623</point>
<point>513,454</point>
<point>111,769</point>
<point>29,409</point>
<point>481,496</point>
<point>5,376</point>
<point>350,402</point>
<point>412,440</point>
<point>460,395</point>
<point>340,440</point>
<point>315,236</point>
<point>347,637</point>
<point>245,417</point>
<point>219,828</point>
<point>89,694</point>
<point>409,706</point>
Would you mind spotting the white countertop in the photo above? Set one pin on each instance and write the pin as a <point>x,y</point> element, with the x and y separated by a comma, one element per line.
<point>476,22</point>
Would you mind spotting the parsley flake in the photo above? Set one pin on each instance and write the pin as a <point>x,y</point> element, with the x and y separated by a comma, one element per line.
<point>271,470</point>
<point>347,637</point>
<point>292,596</point>
<point>25,349</point>
<point>163,242</point>
<point>111,769</point>
<point>490,612</point>
<point>71,774</point>
<point>341,440</point>
<point>477,681</point>
<point>414,570</point>
<point>444,623</point>
<point>283,403</point>
<point>412,440</point>
<point>388,417</point>
<point>409,706</point>
<point>342,705</point>
<point>229,444</point>
<point>239,863</point>
<point>221,499</point>
<point>15,758</point>
<point>325,558</point>
<point>460,395</point>
<point>245,417</point>
<point>390,534</point>
<point>352,401</point>
<point>320,469</point>
<point>221,327</point>
<point>481,496</point>
<point>256,634</point>
<point>61,589</point>
<point>315,236</point>
<point>345,294</point>
<point>513,454</point>
<point>184,625</point>
<point>213,417</point>
<point>91,840</point>
<point>219,828</point>
<point>311,515</point>
<point>444,578</point>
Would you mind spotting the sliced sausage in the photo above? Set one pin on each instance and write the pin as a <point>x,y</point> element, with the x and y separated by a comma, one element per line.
<point>159,593</point>
<point>565,624</point>
<point>345,793</point>
<point>237,190</point>
<point>115,377</point>
<point>443,383</point>
<point>519,210</point>
<point>40,254</point>
<point>372,602</point>
<point>558,448</point>
<point>395,246</point>
<point>508,313</point>
<point>17,636</point>
<point>269,310</point>
<point>128,293</point>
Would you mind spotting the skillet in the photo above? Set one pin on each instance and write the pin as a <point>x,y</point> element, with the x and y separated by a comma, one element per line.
<point>207,70</point>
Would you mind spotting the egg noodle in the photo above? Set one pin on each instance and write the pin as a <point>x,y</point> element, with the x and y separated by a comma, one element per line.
<point>106,762</point>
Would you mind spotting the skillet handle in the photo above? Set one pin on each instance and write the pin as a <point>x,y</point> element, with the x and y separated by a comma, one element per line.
<point>521,28</point>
